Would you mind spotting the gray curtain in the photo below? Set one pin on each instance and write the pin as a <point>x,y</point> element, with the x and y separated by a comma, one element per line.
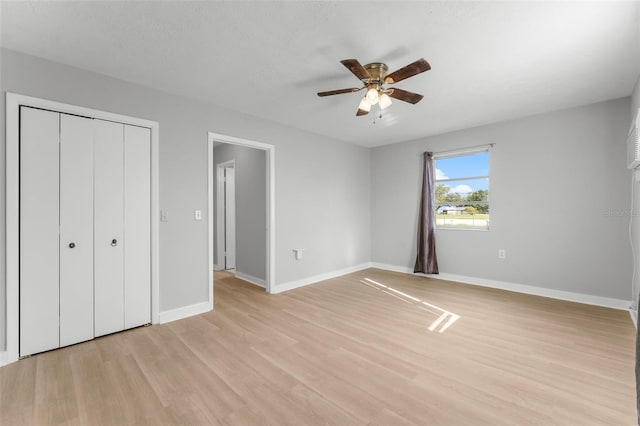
<point>426,261</point>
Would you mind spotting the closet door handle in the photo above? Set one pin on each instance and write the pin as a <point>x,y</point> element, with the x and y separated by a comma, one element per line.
<point>72,245</point>
<point>114,242</point>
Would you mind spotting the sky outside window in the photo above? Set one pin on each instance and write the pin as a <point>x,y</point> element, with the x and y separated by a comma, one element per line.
<point>465,166</point>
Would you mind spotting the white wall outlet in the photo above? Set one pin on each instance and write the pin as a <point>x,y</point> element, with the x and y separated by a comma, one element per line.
<point>197,215</point>
<point>164,216</point>
<point>298,253</point>
<point>502,254</point>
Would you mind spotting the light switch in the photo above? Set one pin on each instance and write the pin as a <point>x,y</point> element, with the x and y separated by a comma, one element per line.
<point>164,216</point>
<point>197,215</point>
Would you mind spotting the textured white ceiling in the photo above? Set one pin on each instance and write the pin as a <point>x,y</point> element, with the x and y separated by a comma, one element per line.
<point>491,61</point>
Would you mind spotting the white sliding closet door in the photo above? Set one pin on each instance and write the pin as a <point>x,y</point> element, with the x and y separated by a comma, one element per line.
<point>137,226</point>
<point>76,229</point>
<point>109,227</point>
<point>39,222</point>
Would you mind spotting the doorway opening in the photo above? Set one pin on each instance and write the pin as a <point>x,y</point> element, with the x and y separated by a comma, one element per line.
<point>227,200</point>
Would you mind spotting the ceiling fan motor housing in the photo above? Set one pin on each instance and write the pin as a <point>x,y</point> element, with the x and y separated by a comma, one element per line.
<point>377,71</point>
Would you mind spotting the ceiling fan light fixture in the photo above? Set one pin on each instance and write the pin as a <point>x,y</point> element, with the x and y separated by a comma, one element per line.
<point>373,77</point>
<point>365,105</point>
<point>385,101</point>
<point>372,96</point>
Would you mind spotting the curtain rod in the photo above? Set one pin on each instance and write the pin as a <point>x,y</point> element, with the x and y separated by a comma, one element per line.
<point>462,150</point>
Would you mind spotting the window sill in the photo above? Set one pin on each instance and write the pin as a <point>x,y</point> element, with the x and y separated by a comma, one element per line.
<point>452,228</point>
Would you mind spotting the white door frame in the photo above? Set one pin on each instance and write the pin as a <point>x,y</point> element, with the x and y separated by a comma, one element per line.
<point>270,184</point>
<point>220,211</point>
<point>12,219</point>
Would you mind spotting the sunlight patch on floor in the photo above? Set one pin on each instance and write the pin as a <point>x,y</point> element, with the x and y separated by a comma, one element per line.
<point>445,318</point>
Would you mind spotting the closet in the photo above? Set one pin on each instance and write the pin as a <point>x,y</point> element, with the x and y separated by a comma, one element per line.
<point>85,238</point>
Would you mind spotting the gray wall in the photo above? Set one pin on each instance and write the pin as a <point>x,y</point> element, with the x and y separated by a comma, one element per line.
<point>321,185</point>
<point>635,231</point>
<point>251,202</point>
<point>559,190</point>
<point>635,99</point>
<point>556,179</point>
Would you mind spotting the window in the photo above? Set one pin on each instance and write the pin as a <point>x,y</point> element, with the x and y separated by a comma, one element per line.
<point>462,190</point>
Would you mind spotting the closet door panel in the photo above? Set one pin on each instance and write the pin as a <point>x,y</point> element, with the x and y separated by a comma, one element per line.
<point>137,225</point>
<point>76,229</point>
<point>108,227</point>
<point>39,227</point>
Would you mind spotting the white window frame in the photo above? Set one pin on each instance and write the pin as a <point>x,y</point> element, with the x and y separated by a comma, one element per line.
<point>463,153</point>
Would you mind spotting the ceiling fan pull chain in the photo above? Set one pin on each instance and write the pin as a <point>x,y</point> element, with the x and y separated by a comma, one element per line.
<point>379,115</point>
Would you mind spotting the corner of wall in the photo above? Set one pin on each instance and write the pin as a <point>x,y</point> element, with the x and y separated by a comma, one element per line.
<point>251,279</point>
<point>183,312</point>
<point>279,288</point>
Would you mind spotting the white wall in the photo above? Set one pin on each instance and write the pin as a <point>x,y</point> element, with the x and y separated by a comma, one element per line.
<point>321,185</point>
<point>251,202</point>
<point>559,195</point>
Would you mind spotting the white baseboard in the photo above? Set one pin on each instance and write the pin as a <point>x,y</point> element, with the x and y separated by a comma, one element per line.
<point>316,278</point>
<point>518,288</point>
<point>252,280</point>
<point>393,268</point>
<point>3,358</point>
<point>184,312</point>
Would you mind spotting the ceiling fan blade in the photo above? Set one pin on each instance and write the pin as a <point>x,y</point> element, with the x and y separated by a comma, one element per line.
<point>404,95</point>
<point>339,92</point>
<point>361,112</point>
<point>356,68</point>
<point>409,71</point>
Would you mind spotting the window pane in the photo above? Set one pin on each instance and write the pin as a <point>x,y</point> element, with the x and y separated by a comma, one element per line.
<point>463,221</point>
<point>463,166</point>
<point>462,196</point>
<point>472,189</point>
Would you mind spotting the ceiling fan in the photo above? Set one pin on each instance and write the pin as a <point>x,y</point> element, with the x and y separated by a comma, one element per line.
<point>374,76</point>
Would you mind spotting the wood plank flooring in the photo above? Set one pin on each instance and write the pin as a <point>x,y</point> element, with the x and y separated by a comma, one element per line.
<point>373,347</point>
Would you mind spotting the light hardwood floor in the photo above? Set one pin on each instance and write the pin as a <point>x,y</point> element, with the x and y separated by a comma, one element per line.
<point>346,351</point>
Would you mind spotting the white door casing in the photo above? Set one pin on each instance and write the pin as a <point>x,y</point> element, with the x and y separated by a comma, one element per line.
<point>214,172</point>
